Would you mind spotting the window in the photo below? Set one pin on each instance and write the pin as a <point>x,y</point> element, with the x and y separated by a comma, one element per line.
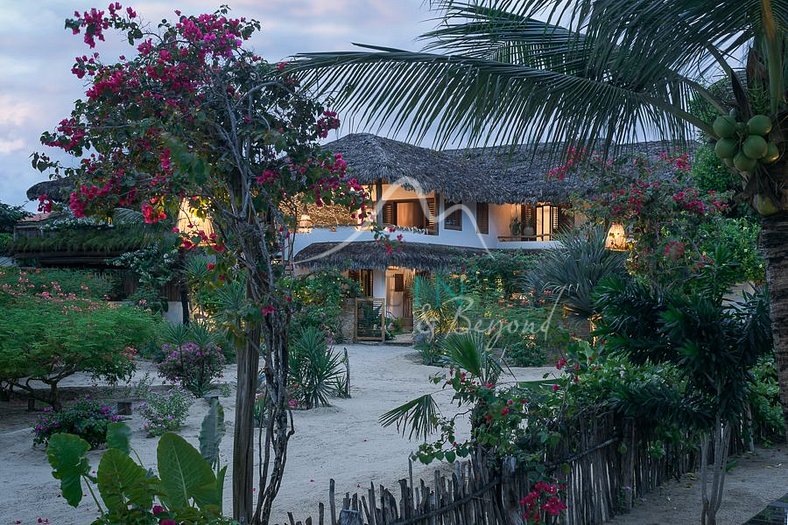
<point>483,217</point>
<point>453,219</point>
<point>399,282</point>
<point>541,222</point>
<point>364,279</point>
<point>411,213</point>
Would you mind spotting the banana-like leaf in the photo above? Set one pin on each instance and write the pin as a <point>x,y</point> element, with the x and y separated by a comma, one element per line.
<point>185,475</point>
<point>119,436</point>
<point>212,432</point>
<point>122,482</point>
<point>66,454</point>
<point>420,415</point>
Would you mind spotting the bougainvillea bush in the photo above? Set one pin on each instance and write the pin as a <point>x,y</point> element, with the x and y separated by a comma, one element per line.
<point>191,117</point>
<point>48,337</point>
<point>193,366</point>
<point>86,418</point>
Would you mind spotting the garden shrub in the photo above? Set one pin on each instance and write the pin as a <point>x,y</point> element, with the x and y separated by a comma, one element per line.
<point>764,399</point>
<point>315,369</point>
<point>192,365</point>
<point>317,300</point>
<point>86,418</point>
<point>58,282</point>
<point>5,243</point>
<point>165,412</point>
<point>48,338</point>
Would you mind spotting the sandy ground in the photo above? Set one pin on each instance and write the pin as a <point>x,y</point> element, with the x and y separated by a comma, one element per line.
<point>756,480</point>
<point>343,442</point>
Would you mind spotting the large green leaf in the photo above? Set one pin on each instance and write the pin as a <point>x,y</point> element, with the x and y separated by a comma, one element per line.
<point>119,436</point>
<point>66,454</point>
<point>184,474</point>
<point>121,481</point>
<point>211,432</point>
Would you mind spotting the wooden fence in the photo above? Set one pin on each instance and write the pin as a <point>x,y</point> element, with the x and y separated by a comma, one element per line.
<point>605,463</point>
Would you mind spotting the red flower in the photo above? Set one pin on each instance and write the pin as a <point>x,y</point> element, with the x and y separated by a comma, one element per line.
<point>556,388</point>
<point>268,309</point>
<point>561,363</point>
<point>210,266</point>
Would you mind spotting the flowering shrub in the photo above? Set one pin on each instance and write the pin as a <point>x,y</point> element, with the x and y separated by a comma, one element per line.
<point>542,501</point>
<point>165,412</point>
<point>87,419</point>
<point>52,335</point>
<point>193,366</point>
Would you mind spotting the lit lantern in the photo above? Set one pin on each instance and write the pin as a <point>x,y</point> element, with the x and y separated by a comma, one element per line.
<point>305,223</point>
<point>616,237</point>
<point>189,222</point>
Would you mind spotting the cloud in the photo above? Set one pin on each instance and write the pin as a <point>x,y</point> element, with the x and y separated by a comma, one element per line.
<point>10,146</point>
<point>36,54</point>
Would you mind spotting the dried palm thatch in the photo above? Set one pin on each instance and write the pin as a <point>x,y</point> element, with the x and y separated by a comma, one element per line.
<point>373,255</point>
<point>499,175</point>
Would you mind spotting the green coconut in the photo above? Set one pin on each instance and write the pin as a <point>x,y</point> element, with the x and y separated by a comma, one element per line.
<point>764,205</point>
<point>724,126</point>
<point>744,163</point>
<point>755,147</point>
<point>726,148</point>
<point>728,162</point>
<point>772,153</point>
<point>760,125</point>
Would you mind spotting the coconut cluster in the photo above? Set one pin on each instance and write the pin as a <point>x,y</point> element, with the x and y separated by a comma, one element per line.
<point>743,145</point>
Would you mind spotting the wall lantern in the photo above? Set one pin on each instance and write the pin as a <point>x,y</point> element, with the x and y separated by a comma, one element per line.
<point>305,223</point>
<point>189,222</point>
<point>616,237</point>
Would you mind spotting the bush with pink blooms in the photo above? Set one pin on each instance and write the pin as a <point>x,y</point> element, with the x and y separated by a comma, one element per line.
<point>86,418</point>
<point>193,366</point>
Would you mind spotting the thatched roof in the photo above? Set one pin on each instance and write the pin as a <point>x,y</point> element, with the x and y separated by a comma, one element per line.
<point>501,174</point>
<point>373,255</point>
<point>58,190</point>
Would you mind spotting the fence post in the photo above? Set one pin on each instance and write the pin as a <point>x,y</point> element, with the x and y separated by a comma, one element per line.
<point>628,464</point>
<point>510,498</point>
<point>350,517</point>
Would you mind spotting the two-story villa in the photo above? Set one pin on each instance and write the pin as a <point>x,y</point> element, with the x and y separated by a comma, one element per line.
<point>444,205</point>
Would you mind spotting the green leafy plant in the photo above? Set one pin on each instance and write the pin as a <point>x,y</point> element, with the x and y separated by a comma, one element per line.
<point>315,369</point>
<point>48,338</point>
<point>317,300</point>
<point>87,419</point>
<point>165,412</point>
<point>435,305</point>
<point>185,490</point>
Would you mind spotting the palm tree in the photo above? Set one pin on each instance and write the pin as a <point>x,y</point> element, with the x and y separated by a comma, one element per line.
<point>594,73</point>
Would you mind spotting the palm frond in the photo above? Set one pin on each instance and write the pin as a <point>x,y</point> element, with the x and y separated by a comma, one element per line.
<point>621,70</point>
<point>418,416</point>
<point>470,351</point>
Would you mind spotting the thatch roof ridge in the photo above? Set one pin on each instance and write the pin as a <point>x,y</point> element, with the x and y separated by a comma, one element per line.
<point>371,254</point>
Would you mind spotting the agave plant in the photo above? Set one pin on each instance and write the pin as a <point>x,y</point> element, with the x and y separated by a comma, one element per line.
<point>596,75</point>
<point>315,369</point>
<point>573,271</point>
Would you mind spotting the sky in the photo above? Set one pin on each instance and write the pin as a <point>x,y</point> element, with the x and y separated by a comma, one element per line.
<point>37,88</point>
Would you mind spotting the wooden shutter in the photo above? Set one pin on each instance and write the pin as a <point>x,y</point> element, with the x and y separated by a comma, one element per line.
<point>431,222</point>
<point>483,217</point>
<point>390,213</point>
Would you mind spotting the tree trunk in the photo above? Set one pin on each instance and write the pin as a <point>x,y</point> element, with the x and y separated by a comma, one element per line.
<point>774,244</point>
<point>243,438</point>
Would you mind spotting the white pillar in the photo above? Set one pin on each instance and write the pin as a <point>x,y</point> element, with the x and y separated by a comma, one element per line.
<point>379,283</point>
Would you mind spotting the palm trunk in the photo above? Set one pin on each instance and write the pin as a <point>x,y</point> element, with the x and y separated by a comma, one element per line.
<point>243,438</point>
<point>774,244</point>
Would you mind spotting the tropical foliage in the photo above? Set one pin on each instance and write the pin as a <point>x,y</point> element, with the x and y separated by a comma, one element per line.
<point>201,122</point>
<point>593,76</point>
<point>50,336</point>
<point>186,488</point>
<point>86,418</point>
<point>316,370</point>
